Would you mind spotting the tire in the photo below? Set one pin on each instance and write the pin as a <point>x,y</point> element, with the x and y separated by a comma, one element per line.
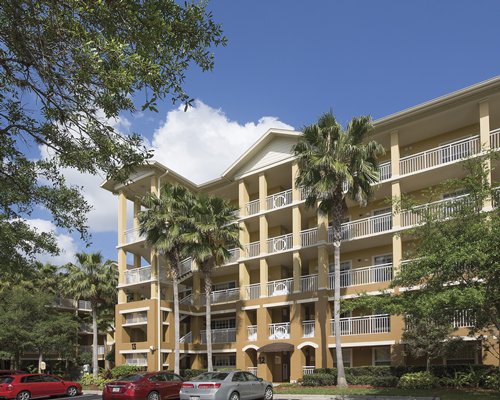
<point>72,391</point>
<point>268,393</point>
<point>234,396</point>
<point>153,396</point>
<point>24,395</point>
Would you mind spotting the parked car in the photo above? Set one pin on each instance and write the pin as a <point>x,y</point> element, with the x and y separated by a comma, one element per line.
<point>144,385</point>
<point>28,386</point>
<point>234,385</point>
<point>10,372</point>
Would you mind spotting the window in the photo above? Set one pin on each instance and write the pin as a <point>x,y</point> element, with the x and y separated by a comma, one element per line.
<point>224,360</point>
<point>250,377</point>
<point>157,378</point>
<point>382,355</point>
<point>238,377</point>
<point>224,286</point>
<point>32,379</point>
<point>224,323</point>
<point>346,356</point>
<point>48,378</point>
<point>466,355</point>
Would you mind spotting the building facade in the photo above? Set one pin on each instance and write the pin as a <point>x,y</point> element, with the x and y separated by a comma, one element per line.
<point>273,300</point>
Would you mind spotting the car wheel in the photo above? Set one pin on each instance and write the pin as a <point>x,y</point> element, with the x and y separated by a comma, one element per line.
<point>153,396</point>
<point>24,395</point>
<point>268,394</point>
<point>234,396</point>
<point>72,391</point>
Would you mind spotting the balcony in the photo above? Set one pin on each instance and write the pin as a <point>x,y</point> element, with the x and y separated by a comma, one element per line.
<point>252,291</point>
<point>136,319</point>
<point>88,349</point>
<point>495,139</point>
<point>252,249</point>
<point>279,287</point>
<point>187,338</point>
<point>279,200</point>
<point>362,276</point>
<point>222,296</point>
<point>309,237</point>
<point>308,370</point>
<point>369,324</point>
<point>137,361</point>
<point>309,283</point>
<point>460,319</point>
<point>279,331</point>
<point>252,333</point>
<point>219,335</point>
<point>253,207</point>
<point>64,303</point>
<point>138,275</point>
<point>133,235</point>
<point>308,329</point>
<point>186,266</point>
<point>187,300</point>
<point>280,243</point>
<point>84,305</point>
<point>364,227</point>
<point>384,171</point>
<point>234,255</point>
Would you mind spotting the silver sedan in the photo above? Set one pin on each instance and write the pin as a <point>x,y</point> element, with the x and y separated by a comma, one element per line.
<point>234,385</point>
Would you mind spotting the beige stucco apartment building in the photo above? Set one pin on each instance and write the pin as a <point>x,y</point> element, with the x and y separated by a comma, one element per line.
<point>273,300</point>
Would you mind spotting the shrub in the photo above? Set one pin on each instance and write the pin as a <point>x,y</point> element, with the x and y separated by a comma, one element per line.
<point>418,380</point>
<point>319,379</point>
<point>89,380</point>
<point>123,370</point>
<point>191,373</point>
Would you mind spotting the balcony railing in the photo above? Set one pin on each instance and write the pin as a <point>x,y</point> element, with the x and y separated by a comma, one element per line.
<point>464,319</point>
<point>252,333</point>
<point>63,302</point>
<point>440,155</point>
<point>252,291</point>
<point>252,249</point>
<point>136,318</point>
<point>186,266</point>
<point>222,296</point>
<point>362,276</point>
<point>137,361</point>
<point>101,349</point>
<point>364,227</point>
<point>308,329</point>
<point>252,370</point>
<point>309,283</point>
<point>234,255</point>
<point>279,200</point>
<point>384,171</point>
<point>133,235</point>
<point>137,275</point>
<point>309,237</point>
<point>363,325</point>
<point>280,243</point>
<point>279,287</point>
<point>220,335</point>
<point>84,305</point>
<point>279,331</point>
<point>495,139</point>
<point>253,207</point>
<point>187,338</point>
<point>308,370</point>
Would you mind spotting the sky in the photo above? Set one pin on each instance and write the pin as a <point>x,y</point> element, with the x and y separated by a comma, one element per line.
<point>286,63</point>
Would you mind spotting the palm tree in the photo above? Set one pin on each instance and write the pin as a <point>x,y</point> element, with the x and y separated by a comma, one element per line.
<point>163,223</point>
<point>214,232</point>
<point>95,281</point>
<point>334,165</point>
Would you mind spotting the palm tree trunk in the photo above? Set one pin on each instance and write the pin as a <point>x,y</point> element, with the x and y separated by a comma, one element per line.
<point>95,365</point>
<point>208,315</point>
<point>341,381</point>
<point>177,322</point>
<point>40,359</point>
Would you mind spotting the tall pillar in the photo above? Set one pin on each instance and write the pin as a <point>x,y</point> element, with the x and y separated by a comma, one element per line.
<point>243,197</point>
<point>263,321</point>
<point>262,192</point>
<point>322,251</point>
<point>244,280</point>
<point>137,209</point>
<point>196,290</point>
<point>154,274</point>
<point>397,246</point>
<point>295,189</point>
<point>264,277</point>
<point>395,154</point>
<point>295,337</point>
<point>484,135</point>
<point>263,233</point>
<point>122,254</point>
<point>297,272</point>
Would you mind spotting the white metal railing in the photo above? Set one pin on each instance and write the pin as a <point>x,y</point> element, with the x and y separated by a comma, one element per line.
<point>441,209</point>
<point>84,305</point>
<point>279,287</point>
<point>252,333</point>
<point>309,237</point>
<point>278,200</point>
<point>133,235</point>
<point>137,361</point>
<point>384,171</point>
<point>88,349</point>
<point>187,299</point>
<point>234,255</point>
<point>252,249</point>
<point>364,227</point>
<point>308,329</point>
<point>279,331</point>
<point>222,296</point>
<point>220,335</point>
<point>253,207</point>
<point>186,266</point>
<point>463,319</point>
<point>280,243</point>
<point>362,276</point>
<point>440,155</point>
<point>252,291</point>
<point>63,302</point>
<point>308,370</point>
<point>363,325</point>
<point>136,318</point>
<point>309,283</point>
<point>138,275</point>
<point>187,338</point>
<point>252,370</point>
<point>304,192</point>
<point>495,139</point>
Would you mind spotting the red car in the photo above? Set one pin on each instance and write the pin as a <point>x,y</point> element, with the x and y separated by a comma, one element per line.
<point>27,386</point>
<point>10,372</point>
<point>144,386</point>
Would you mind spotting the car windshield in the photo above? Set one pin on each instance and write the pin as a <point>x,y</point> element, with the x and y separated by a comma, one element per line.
<point>6,379</point>
<point>211,376</point>
<point>131,378</point>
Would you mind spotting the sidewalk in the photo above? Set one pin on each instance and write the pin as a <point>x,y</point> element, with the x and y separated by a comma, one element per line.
<point>346,397</point>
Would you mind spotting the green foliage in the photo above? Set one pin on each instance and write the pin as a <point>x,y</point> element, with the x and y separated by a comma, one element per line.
<point>191,373</point>
<point>319,379</point>
<point>85,358</point>
<point>122,370</point>
<point>68,69</point>
<point>89,380</point>
<point>417,380</point>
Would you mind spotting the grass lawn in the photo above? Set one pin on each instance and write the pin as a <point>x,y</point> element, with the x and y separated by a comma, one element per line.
<point>443,394</point>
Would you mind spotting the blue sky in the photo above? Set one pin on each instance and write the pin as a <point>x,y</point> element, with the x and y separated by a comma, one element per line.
<point>287,62</point>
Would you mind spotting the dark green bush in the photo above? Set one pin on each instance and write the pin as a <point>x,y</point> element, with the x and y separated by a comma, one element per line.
<point>319,379</point>
<point>418,380</point>
<point>123,370</point>
<point>188,374</point>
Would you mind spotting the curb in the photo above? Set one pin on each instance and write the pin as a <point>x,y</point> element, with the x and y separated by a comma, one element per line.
<point>282,396</point>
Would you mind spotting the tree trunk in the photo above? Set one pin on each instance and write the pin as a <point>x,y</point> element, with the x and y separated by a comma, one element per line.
<point>40,359</point>
<point>177,323</point>
<point>208,293</point>
<point>95,364</point>
<point>428,364</point>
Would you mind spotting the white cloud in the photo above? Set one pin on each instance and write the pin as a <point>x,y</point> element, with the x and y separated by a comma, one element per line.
<point>66,244</point>
<point>202,142</point>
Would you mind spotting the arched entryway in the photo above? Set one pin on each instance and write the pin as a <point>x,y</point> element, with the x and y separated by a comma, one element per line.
<point>276,357</point>
<point>250,352</point>
<point>308,357</point>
